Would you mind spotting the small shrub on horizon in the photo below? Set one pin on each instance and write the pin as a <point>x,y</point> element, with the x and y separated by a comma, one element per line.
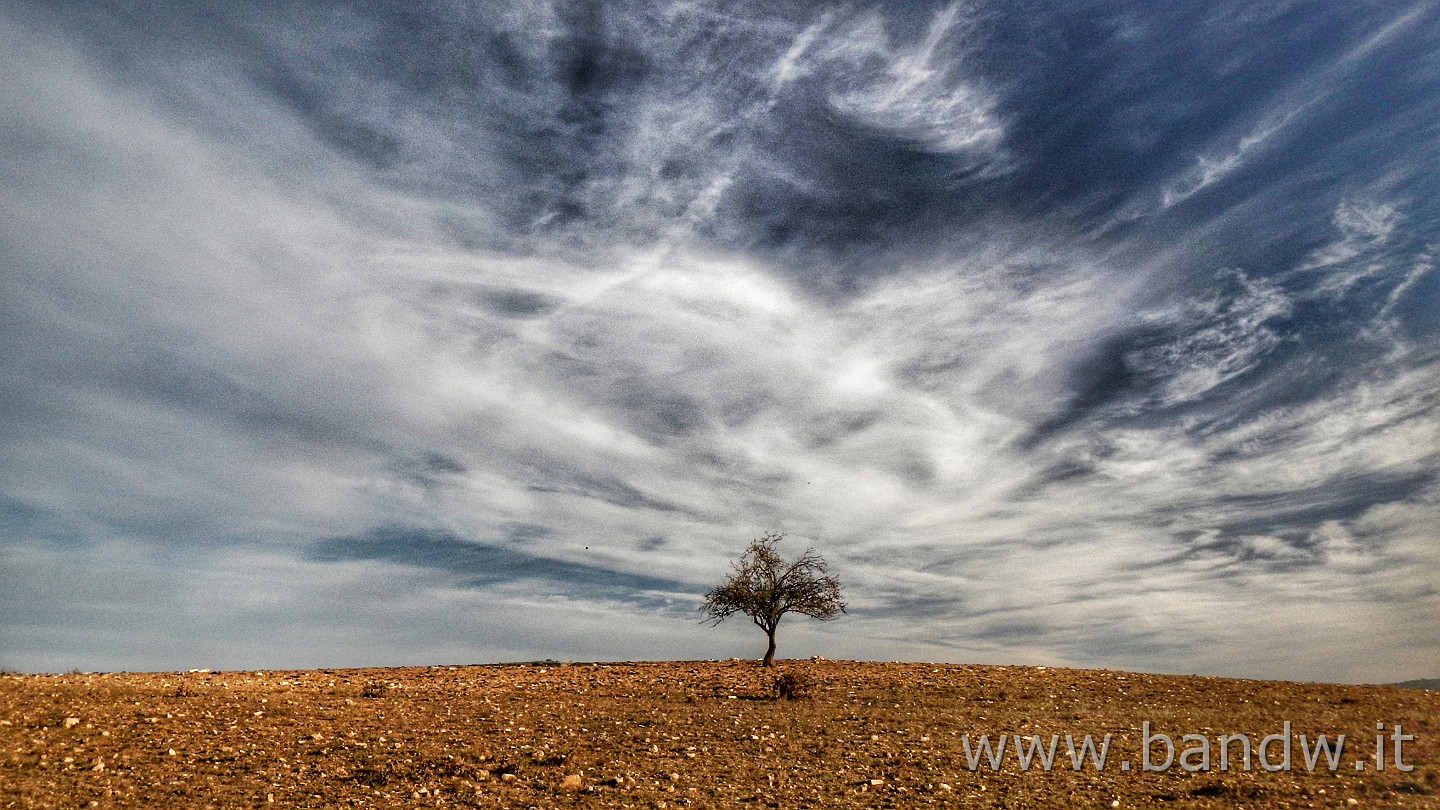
<point>793,685</point>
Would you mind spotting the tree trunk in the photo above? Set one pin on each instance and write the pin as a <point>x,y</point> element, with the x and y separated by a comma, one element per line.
<point>770,652</point>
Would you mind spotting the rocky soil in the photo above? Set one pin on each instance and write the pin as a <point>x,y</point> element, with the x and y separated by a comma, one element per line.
<point>697,734</point>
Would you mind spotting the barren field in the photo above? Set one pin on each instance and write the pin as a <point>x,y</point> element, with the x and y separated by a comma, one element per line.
<point>701,734</point>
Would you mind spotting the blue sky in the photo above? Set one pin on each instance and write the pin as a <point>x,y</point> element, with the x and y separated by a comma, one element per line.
<point>1071,333</point>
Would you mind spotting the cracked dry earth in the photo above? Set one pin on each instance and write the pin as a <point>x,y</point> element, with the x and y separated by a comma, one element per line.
<point>694,734</point>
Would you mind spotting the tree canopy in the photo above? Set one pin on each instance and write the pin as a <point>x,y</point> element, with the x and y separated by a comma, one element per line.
<point>764,587</point>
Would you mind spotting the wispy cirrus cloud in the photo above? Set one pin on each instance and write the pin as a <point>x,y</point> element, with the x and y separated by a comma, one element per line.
<point>539,312</point>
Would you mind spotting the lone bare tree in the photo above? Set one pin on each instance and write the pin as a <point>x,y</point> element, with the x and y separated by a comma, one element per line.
<point>765,588</point>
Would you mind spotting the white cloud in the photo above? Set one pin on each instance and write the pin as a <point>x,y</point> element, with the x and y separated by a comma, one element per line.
<point>913,90</point>
<point>1223,337</point>
<point>1211,168</point>
<point>234,340</point>
<point>1365,228</point>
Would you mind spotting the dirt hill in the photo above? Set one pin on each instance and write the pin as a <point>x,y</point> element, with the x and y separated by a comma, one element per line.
<point>704,734</point>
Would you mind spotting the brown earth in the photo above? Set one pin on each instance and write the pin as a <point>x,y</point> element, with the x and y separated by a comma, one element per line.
<point>701,734</point>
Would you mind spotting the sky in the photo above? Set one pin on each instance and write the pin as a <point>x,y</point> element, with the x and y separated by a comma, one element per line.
<point>1086,333</point>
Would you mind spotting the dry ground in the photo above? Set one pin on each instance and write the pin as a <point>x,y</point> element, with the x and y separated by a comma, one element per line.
<point>702,734</point>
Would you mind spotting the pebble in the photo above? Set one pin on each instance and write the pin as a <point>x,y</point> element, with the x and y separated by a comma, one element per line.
<point>572,782</point>
<point>71,722</point>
